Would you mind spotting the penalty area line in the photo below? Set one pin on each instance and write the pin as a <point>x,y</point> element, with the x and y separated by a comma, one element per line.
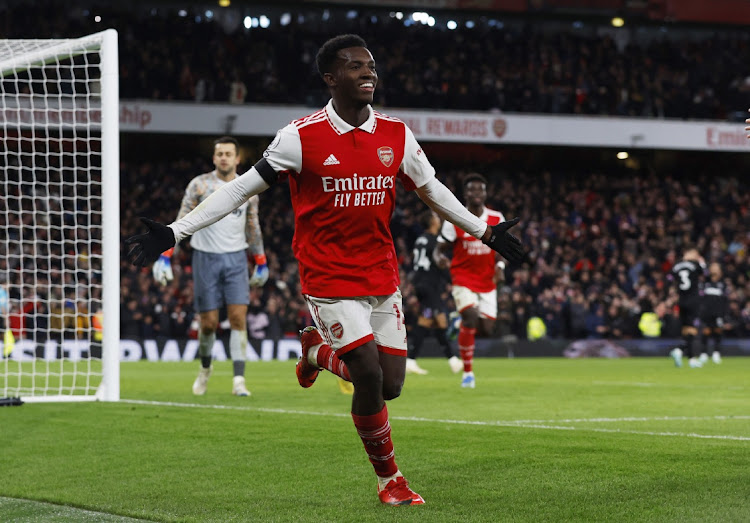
<point>529,424</point>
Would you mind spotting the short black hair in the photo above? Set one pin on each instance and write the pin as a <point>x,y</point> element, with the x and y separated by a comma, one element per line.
<point>228,139</point>
<point>328,52</point>
<point>474,177</point>
<point>426,218</point>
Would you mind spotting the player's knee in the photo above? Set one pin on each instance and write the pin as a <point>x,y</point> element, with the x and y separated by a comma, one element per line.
<point>366,376</point>
<point>392,389</point>
<point>470,318</point>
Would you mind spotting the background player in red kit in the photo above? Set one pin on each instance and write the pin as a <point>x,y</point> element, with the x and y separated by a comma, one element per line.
<point>474,274</point>
<point>342,163</point>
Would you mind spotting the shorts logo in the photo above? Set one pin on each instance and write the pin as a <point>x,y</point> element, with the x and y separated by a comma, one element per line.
<point>337,330</point>
<point>386,156</point>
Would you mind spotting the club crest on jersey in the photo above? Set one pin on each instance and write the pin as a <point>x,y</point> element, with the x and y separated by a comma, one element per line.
<point>386,155</point>
<point>337,330</point>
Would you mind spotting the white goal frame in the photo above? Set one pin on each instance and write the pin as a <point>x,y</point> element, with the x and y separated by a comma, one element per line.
<point>101,97</point>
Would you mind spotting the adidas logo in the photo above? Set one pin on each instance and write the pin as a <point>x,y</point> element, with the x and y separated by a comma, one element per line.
<point>331,160</point>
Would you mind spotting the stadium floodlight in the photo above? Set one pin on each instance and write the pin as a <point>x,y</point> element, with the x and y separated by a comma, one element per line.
<point>59,212</point>
<point>451,25</point>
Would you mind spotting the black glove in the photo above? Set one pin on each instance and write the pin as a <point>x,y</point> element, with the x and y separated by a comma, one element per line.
<point>505,243</point>
<point>147,247</point>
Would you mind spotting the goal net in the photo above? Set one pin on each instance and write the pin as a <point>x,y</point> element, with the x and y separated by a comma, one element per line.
<point>59,219</point>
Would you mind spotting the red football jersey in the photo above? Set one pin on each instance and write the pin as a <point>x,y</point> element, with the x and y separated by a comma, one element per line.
<point>342,181</point>
<point>473,264</point>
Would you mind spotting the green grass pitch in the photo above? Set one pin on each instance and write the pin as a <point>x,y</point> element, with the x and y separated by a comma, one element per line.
<point>537,440</point>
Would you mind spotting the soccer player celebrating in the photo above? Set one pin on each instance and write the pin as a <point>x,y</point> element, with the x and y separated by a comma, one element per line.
<point>474,273</point>
<point>342,163</point>
<point>687,274</point>
<point>429,283</point>
<point>220,270</point>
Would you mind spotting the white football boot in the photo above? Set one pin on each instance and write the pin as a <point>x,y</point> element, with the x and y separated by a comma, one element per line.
<point>676,355</point>
<point>201,382</point>
<point>413,368</point>
<point>238,386</point>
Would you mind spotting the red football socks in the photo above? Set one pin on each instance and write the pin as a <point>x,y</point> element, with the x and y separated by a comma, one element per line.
<point>375,432</point>
<point>327,359</point>
<point>466,346</point>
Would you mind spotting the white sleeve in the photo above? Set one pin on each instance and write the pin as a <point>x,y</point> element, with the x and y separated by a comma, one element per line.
<point>219,204</point>
<point>447,233</point>
<point>441,200</point>
<point>415,164</point>
<point>284,154</point>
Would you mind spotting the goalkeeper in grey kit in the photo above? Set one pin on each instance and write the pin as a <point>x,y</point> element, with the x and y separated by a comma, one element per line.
<point>220,265</point>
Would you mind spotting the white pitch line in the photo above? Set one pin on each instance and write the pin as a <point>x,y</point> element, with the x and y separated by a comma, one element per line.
<point>664,385</point>
<point>529,424</point>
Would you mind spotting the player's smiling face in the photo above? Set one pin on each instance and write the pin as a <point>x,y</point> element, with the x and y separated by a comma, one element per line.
<point>356,77</point>
<point>475,194</point>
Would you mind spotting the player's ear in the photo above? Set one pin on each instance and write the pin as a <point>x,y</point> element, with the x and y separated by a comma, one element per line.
<point>329,79</point>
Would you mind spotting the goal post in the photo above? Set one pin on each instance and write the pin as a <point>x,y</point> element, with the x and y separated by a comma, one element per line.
<point>59,219</point>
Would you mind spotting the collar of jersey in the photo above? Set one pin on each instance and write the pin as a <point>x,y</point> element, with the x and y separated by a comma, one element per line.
<point>341,127</point>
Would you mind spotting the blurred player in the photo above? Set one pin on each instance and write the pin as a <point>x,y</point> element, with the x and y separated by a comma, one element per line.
<point>687,274</point>
<point>342,163</point>
<point>714,304</point>
<point>220,265</point>
<point>429,282</point>
<point>474,274</point>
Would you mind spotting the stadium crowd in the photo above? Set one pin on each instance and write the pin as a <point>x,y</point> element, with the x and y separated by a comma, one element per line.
<point>602,247</point>
<point>512,65</point>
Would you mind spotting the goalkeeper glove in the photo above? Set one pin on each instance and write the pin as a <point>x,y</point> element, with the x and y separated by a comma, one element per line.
<point>260,273</point>
<point>505,243</point>
<point>148,246</point>
<point>162,268</point>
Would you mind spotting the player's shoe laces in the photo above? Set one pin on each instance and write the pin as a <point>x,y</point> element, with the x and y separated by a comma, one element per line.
<point>397,492</point>
<point>238,386</point>
<point>456,364</point>
<point>454,324</point>
<point>468,381</point>
<point>676,355</point>
<point>695,363</point>
<point>306,371</point>
<point>716,357</point>
<point>413,368</point>
<point>201,382</point>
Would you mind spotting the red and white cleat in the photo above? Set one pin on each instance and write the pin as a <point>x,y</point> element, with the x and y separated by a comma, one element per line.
<point>397,492</point>
<point>306,371</point>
